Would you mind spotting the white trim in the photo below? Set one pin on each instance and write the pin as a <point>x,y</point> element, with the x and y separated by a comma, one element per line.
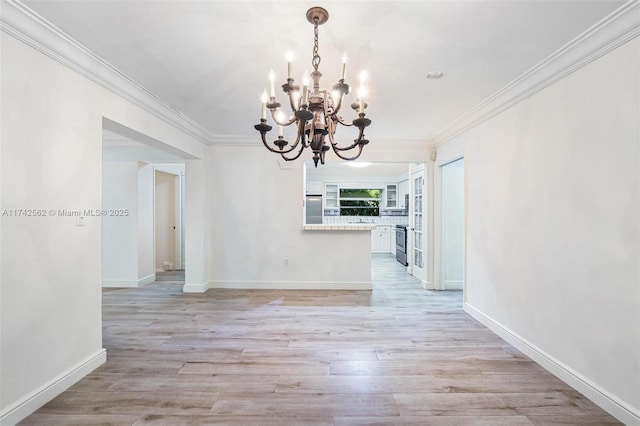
<point>21,409</point>
<point>21,22</point>
<point>195,288</point>
<point>146,280</point>
<point>611,32</point>
<point>378,143</point>
<point>428,285</point>
<point>129,283</point>
<point>26,25</point>
<point>453,284</point>
<point>608,402</point>
<point>292,285</point>
<point>119,283</point>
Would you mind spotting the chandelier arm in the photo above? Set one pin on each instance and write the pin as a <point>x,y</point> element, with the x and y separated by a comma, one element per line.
<point>353,145</point>
<point>341,121</point>
<point>277,151</point>
<point>301,135</point>
<point>325,104</point>
<point>337,107</point>
<point>296,156</point>
<point>332,131</point>
<point>284,123</point>
<point>348,158</point>
<point>293,107</point>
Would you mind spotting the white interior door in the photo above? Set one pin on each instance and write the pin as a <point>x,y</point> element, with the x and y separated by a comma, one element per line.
<point>417,259</point>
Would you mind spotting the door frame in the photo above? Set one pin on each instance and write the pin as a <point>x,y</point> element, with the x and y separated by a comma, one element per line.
<point>438,231</point>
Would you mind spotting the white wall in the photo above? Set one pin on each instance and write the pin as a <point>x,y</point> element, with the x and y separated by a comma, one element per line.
<point>119,233</point>
<point>51,159</point>
<point>50,328</point>
<point>197,226</point>
<point>553,201</point>
<point>256,223</point>
<point>453,225</point>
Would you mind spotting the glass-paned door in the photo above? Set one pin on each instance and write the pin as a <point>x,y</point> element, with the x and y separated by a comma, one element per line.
<point>418,226</point>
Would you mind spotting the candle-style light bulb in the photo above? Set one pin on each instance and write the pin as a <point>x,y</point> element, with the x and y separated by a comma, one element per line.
<point>289,63</point>
<point>361,94</point>
<point>272,83</point>
<point>280,117</point>
<point>362,76</point>
<point>344,66</point>
<point>264,99</point>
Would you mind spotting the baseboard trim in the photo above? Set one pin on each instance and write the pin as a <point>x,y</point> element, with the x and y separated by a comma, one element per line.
<point>195,288</point>
<point>23,408</point>
<point>608,402</point>
<point>119,284</point>
<point>428,285</point>
<point>292,285</point>
<point>453,285</point>
<point>146,280</point>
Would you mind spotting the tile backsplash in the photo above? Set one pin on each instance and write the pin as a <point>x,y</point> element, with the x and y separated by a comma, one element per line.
<point>378,220</point>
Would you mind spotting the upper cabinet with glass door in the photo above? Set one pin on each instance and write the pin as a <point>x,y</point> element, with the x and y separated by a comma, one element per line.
<point>331,196</point>
<point>391,196</point>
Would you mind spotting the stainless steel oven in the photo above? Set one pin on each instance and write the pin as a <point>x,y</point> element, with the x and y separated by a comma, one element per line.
<point>401,244</point>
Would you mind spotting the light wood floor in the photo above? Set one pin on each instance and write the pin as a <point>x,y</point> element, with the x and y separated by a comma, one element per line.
<point>394,355</point>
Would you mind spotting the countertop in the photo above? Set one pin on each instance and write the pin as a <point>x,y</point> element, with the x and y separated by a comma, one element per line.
<point>340,227</point>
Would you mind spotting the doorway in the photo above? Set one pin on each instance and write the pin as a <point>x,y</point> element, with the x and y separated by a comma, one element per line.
<point>452,187</point>
<point>169,217</point>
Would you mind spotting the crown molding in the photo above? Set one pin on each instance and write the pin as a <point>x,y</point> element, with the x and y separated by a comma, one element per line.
<point>21,22</point>
<point>611,32</point>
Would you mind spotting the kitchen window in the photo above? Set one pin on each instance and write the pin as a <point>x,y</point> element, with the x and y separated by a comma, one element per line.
<point>360,202</point>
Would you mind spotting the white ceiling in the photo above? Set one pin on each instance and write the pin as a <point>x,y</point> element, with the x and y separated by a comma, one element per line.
<point>210,59</point>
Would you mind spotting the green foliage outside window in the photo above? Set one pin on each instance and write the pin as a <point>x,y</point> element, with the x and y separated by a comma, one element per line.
<point>360,193</point>
<point>360,202</point>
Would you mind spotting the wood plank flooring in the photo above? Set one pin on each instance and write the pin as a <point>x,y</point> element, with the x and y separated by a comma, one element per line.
<point>392,356</point>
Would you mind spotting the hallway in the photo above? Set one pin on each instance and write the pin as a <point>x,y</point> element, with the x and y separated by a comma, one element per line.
<point>394,355</point>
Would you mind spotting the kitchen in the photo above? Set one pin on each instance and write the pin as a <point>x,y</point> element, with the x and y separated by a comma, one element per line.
<point>377,194</point>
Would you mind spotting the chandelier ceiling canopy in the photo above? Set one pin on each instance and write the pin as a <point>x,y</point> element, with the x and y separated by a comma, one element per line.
<point>314,111</point>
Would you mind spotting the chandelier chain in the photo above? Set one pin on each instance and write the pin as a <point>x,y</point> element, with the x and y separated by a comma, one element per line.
<point>316,56</point>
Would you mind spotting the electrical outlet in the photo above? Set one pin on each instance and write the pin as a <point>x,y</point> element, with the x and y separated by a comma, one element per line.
<point>286,262</point>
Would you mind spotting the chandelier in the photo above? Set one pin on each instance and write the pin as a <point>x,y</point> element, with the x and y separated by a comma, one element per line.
<point>315,111</point>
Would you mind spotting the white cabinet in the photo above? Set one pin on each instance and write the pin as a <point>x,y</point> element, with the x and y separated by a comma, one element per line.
<point>314,187</point>
<point>391,196</point>
<point>381,239</point>
<point>331,196</point>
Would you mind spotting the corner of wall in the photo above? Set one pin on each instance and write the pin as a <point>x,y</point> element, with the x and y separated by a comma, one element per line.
<point>21,409</point>
<point>617,408</point>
